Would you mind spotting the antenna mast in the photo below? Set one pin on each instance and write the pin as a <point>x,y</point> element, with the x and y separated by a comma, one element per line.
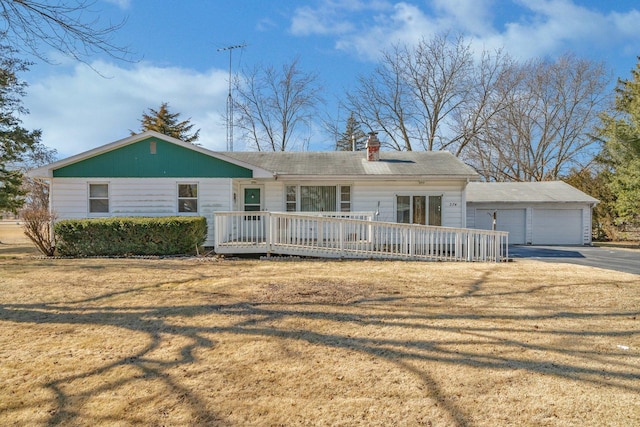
<point>230,98</point>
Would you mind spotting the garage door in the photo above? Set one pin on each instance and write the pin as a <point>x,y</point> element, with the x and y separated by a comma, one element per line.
<point>557,227</point>
<point>511,220</point>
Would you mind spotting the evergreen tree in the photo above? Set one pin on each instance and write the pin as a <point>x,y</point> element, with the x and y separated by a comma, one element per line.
<point>594,181</point>
<point>15,141</point>
<point>352,131</point>
<point>620,133</point>
<point>167,123</point>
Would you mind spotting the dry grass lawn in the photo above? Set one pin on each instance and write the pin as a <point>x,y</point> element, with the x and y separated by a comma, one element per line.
<point>246,342</point>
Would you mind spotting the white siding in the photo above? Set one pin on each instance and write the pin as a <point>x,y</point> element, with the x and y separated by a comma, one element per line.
<point>158,197</point>
<point>69,198</point>
<point>366,195</point>
<point>587,224</point>
<point>141,197</point>
<point>273,198</point>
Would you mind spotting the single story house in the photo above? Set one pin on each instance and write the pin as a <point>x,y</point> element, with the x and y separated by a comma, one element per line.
<point>151,174</point>
<point>536,213</point>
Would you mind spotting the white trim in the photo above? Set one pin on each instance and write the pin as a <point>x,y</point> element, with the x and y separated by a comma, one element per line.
<point>411,195</point>
<point>400,178</point>
<point>197,184</point>
<point>109,208</point>
<point>338,187</point>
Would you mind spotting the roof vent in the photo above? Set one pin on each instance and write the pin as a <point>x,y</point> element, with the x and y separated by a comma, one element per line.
<point>373,147</point>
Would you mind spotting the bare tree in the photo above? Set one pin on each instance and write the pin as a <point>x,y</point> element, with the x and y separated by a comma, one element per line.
<point>37,224</point>
<point>37,219</point>
<point>492,83</point>
<point>276,106</point>
<point>37,191</point>
<point>434,94</point>
<point>543,129</point>
<point>380,102</point>
<point>69,26</point>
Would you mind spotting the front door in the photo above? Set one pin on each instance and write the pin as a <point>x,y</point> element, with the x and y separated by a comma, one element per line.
<point>253,225</point>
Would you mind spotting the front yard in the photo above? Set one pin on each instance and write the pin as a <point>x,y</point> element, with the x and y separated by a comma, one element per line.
<point>247,342</point>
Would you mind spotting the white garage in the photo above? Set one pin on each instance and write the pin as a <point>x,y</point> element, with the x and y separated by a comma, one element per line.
<point>537,213</point>
<point>511,220</point>
<point>556,227</point>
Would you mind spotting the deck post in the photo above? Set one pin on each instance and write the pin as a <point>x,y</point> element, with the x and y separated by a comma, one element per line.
<point>268,219</point>
<point>341,238</point>
<point>412,238</point>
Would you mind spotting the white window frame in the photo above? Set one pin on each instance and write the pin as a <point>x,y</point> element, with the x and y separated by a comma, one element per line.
<point>345,205</point>
<point>90,198</point>
<point>196,198</point>
<point>411,195</point>
<point>339,203</point>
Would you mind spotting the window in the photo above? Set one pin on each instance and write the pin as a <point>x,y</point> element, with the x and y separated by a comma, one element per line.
<point>419,211</point>
<point>435,210</point>
<point>413,210</point>
<point>252,199</point>
<point>98,198</point>
<point>291,198</point>
<point>403,209</point>
<point>318,198</point>
<point>188,198</point>
<point>345,198</point>
<point>252,203</point>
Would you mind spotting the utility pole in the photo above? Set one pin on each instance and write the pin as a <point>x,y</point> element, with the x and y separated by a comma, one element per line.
<point>230,98</point>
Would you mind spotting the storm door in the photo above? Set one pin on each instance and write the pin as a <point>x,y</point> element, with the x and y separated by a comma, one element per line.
<point>253,227</point>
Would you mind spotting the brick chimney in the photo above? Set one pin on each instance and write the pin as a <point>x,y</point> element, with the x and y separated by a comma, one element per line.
<point>373,147</point>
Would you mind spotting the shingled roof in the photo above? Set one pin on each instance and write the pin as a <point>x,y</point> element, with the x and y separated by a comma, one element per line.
<point>526,192</point>
<point>348,163</point>
<point>308,164</point>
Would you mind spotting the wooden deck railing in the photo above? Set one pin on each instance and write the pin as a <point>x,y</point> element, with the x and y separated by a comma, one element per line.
<point>352,235</point>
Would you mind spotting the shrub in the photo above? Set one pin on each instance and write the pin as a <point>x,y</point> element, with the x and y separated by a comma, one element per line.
<point>36,223</point>
<point>130,236</point>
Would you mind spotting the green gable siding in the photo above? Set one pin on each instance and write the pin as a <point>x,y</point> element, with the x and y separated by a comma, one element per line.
<point>138,161</point>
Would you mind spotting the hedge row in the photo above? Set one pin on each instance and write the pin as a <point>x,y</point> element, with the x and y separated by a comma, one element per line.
<point>129,236</point>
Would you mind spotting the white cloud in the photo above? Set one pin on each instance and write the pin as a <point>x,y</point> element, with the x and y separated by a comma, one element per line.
<point>333,17</point>
<point>79,110</point>
<point>555,26</point>
<point>122,4</point>
<point>474,16</point>
<point>265,24</point>
<point>535,28</point>
<point>406,24</point>
<point>308,21</point>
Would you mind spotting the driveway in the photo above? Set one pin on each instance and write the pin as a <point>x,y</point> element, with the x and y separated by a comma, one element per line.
<point>625,260</point>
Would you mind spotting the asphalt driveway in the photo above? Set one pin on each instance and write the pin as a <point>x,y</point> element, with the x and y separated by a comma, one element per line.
<point>624,260</point>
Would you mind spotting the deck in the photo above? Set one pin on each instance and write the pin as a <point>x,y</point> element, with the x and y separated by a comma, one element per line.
<point>352,235</point>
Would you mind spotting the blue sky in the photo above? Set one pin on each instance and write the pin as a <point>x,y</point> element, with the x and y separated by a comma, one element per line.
<point>175,46</point>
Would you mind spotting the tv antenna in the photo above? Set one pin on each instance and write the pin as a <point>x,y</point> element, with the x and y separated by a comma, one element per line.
<point>230,97</point>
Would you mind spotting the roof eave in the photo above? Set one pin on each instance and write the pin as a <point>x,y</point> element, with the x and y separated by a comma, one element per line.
<point>373,177</point>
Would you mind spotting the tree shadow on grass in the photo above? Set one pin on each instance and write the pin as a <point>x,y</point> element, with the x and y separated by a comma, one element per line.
<point>256,318</point>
